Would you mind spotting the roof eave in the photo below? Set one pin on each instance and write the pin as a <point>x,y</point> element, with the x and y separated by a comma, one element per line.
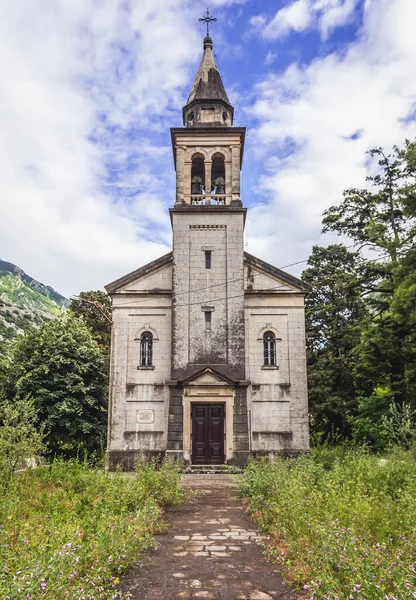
<point>274,271</point>
<point>114,286</point>
<point>192,103</point>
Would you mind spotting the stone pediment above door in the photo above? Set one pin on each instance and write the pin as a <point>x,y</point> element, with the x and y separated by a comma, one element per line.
<point>208,377</point>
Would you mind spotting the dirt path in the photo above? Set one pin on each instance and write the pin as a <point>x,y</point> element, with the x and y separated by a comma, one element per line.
<point>211,550</point>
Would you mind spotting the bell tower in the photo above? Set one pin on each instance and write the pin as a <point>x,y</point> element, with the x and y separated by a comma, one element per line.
<point>208,260</point>
<point>208,149</point>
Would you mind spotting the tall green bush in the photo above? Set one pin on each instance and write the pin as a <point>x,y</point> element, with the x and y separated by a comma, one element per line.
<point>62,369</point>
<point>21,438</point>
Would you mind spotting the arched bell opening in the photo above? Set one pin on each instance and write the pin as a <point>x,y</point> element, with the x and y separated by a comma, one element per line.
<point>198,175</point>
<point>218,175</point>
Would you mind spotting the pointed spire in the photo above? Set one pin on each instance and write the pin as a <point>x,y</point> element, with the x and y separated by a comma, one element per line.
<point>208,104</point>
<point>208,84</point>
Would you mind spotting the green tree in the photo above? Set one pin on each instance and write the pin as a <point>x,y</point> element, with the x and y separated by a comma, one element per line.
<point>94,308</point>
<point>381,218</point>
<point>61,367</point>
<point>21,439</point>
<point>334,313</point>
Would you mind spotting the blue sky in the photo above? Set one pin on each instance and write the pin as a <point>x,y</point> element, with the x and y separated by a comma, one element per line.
<point>90,89</point>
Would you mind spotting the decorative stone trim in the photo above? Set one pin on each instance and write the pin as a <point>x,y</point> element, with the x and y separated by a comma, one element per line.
<point>207,226</point>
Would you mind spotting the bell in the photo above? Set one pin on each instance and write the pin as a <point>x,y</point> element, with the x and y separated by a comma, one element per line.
<point>196,188</point>
<point>220,191</point>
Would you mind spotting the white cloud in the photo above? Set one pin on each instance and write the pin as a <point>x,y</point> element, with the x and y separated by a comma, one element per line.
<point>226,2</point>
<point>86,89</point>
<point>300,15</point>
<point>80,198</point>
<point>296,16</point>
<point>270,58</point>
<point>317,121</point>
<point>258,21</point>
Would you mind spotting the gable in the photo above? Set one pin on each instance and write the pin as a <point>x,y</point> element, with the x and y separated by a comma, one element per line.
<point>207,379</point>
<point>208,376</point>
<point>260,276</point>
<point>156,276</point>
<point>158,280</point>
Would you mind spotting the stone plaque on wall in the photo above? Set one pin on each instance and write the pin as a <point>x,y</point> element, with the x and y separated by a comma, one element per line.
<point>145,416</point>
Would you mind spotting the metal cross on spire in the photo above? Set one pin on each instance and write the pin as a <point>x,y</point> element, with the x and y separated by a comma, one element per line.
<point>207,19</point>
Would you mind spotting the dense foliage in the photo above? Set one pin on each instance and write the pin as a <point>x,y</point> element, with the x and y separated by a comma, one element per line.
<point>61,368</point>
<point>21,437</point>
<point>344,524</point>
<point>70,531</point>
<point>361,312</point>
<point>94,308</point>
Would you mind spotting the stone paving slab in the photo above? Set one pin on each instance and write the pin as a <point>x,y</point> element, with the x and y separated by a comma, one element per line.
<point>211,550</point>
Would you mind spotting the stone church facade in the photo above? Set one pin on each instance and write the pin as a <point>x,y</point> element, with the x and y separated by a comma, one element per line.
<point>208,359</point>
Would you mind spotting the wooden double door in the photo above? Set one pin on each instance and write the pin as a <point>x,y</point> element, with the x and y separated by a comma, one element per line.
<point>207,434</point>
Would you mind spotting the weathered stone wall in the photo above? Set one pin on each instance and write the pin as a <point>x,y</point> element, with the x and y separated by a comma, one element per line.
<point>135,388</point>
<point>277,396</point>
<point>175,425</point>
<point>196,289</point>
<point>241,434</point>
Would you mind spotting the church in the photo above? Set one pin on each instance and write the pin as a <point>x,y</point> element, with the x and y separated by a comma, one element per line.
<point>208,354</point>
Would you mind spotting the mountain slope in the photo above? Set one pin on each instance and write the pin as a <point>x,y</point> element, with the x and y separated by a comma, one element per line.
<point>24,303</point>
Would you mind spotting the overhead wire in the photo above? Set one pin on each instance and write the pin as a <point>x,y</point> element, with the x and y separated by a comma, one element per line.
<point>242,278</point>
<point>208,288</point>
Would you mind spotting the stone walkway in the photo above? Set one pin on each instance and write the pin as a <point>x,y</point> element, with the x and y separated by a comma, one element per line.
<point>211,550</point>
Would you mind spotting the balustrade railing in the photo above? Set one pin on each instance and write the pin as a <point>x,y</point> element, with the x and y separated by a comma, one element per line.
<point>208,199</point>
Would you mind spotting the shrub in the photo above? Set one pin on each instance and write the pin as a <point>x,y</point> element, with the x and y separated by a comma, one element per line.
<point>20,439</point>
<point>70,531</point>
<point>400,424</point>
<point>348,531</point>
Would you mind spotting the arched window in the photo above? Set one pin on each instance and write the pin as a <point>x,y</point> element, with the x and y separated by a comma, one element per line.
<point>146,349</point>
<point>197,175</point>
<point>269,345</point>
<point>218,174</point>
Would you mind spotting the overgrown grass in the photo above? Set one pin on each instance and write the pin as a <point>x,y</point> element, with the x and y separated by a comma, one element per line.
<point>344,526</point>
<point>71,531</point>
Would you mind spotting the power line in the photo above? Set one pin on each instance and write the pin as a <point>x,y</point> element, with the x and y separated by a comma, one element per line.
<point>259,291</point>
<point>208,288</point>
<point>242,278</point>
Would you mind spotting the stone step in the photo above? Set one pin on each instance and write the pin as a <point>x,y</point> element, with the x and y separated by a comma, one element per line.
<point>212,470</point>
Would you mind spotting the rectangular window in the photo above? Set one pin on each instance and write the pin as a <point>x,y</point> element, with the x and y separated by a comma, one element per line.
<point>208,259</point>
<point>208,320</point>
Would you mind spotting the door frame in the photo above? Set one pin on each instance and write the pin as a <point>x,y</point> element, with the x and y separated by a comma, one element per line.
<point>199,395</point>
<point>222,439</point>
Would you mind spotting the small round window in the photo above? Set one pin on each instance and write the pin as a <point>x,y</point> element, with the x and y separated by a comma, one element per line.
<point>191,116</point>
<point>225,116</point>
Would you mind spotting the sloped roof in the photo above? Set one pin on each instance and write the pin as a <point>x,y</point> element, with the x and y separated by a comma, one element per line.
<point>138,273</point>
<point>275,272</point>
<point>167,259</point>
<point>208,84</point>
